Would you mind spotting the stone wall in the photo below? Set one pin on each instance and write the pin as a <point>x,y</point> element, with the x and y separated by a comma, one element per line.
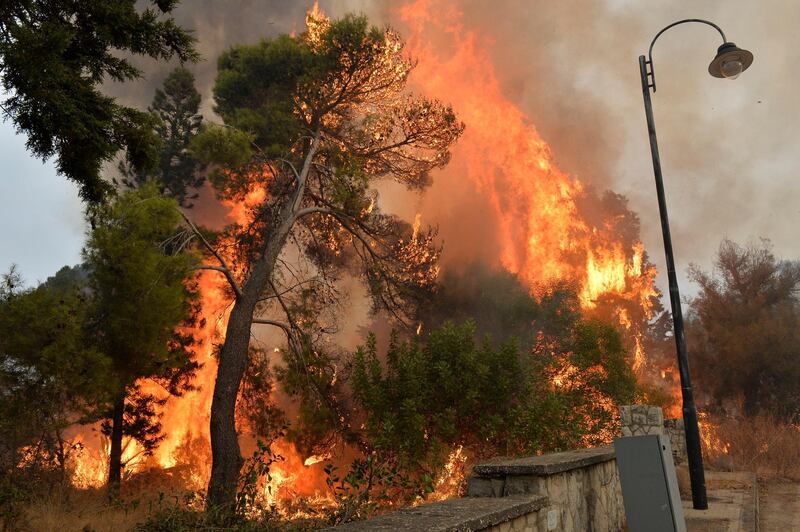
<point>641,420</point>
<point>677,439</point>
<point>574,490</point>
<point>582,488</point>
<point>457,515</point>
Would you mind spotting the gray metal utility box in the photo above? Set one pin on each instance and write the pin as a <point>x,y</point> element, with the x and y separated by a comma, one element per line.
<point>649,485</point>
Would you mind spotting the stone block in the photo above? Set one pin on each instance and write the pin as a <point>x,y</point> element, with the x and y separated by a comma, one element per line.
<point>677,439</point>
<point>484,487</point>
<point>655,417</point>
<point>625,415</point>
<point>521,485</point>
<point>640,420</point>
<point>453,514</point>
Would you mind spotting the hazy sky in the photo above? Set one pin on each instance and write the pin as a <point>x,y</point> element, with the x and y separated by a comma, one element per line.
<point>40,212</point>
<point>729,148</point>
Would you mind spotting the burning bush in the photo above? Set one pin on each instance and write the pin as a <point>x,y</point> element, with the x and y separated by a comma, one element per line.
<point>455,392</point>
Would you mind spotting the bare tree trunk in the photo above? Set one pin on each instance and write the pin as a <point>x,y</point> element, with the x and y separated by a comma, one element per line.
<point>115,455</point>
<point>226,458</point>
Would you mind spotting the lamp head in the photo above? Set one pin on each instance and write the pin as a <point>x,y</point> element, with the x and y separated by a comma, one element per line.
<point>730,61</point>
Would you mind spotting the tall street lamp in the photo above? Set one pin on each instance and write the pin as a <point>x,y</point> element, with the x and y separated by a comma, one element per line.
<point>729,62</point>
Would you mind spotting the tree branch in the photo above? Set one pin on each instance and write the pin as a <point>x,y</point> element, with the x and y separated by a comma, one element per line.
<point>226,272</point>
<point>274,323</point>
<point>311,210</point>
<point>223,265</point>
<point>303,176</point>
<point>287,290</point>
<point>294,170</point>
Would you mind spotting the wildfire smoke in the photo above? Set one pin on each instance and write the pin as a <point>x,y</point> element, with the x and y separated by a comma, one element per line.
<point>547,229</point>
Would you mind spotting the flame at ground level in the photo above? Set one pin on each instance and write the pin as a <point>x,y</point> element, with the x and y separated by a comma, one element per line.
<point>543,233</point>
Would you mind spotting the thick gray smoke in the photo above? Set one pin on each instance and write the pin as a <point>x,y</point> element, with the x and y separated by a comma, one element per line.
<point>728,151</point>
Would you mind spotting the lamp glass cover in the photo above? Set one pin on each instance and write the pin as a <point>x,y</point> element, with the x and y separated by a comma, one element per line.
<point>732,68</point>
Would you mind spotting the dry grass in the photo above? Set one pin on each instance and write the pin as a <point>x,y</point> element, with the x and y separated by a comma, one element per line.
<point>82,510</point>
<point>68,508</point>
<point>762,445</point>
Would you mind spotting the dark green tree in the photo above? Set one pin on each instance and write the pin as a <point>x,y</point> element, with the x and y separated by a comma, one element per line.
<point>432,396</point>
<point>311,123</point>
<point>54,54</point>
<point>744,332</point>
<point>140,278</point>
<point>176,109</point>
<point>49,377</point>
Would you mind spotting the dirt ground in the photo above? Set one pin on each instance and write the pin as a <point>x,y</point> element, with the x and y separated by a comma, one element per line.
<point>779,506</point>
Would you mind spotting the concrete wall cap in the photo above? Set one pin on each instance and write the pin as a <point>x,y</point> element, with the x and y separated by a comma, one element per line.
<point>452,515</point>
<point>547,464</point>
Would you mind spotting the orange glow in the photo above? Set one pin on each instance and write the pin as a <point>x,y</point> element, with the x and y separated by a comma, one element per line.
<point>450,482</point>
<point>711,440</point>
<point>542,233</point>
<point>544,236</point>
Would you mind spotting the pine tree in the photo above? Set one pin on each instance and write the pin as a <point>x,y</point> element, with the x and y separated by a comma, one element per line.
<point>175,108</point>
<point>312,122</point>
<point>142,293</point>
<point>55,54</point>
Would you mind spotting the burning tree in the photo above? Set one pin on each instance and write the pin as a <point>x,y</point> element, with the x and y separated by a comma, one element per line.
<point>543,378</point>
<point>428,398</point>
<point>311,123</point>
<point>141,292</point>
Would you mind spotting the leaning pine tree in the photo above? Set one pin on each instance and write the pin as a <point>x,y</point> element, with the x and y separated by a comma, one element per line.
<point>311,123</point>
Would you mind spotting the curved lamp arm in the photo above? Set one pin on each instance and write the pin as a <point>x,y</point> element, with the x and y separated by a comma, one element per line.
<point>652,74</point>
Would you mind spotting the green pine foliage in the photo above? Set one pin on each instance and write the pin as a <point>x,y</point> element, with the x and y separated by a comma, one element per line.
<point>55,54</point>
<point>140,280</point>
<point>175,108</point>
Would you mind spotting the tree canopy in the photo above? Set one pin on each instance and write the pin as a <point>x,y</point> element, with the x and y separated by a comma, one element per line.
<point>744,332</point>
<point>55,54</point>
<point>175,108</point>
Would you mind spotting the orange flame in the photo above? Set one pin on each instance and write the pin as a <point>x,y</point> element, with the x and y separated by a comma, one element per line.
<point>544,236</point>
<point>541,231</point>
<point>535,203</point>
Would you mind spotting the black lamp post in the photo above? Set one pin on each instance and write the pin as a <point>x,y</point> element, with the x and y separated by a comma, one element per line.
<point>729,62</point>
